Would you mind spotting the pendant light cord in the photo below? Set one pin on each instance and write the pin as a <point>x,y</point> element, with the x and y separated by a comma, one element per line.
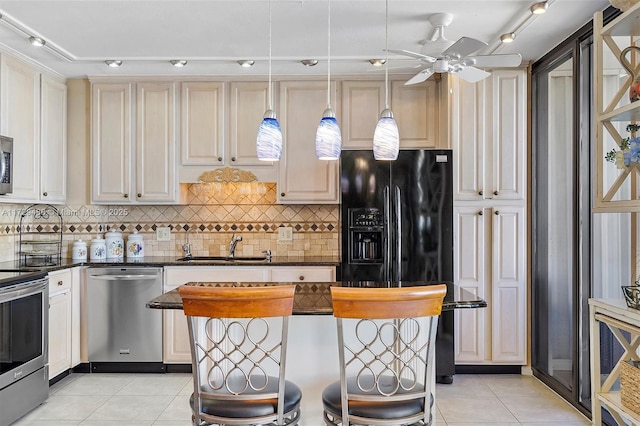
<point>269,88</point>
<point>329,56</point>
<point>386,49</point>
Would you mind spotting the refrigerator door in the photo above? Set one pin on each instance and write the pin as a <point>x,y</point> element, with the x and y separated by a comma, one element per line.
<point>422,218</point>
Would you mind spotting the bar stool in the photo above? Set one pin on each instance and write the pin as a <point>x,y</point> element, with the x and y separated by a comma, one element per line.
<point>238,341</point>
<point>386,348</point>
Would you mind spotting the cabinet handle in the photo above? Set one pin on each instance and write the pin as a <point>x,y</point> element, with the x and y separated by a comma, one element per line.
<point>139,195</point>
<point>480,193</point>
<point>497,213</point>
<point>301,277</point>
<point>60,283</point>
<point>480,213</point>
<point>219,158</point>
<point>495,192</point>
<point>44,194</point>
<point>233,158</point>
<point>282,194</point>
<point>126,195</point>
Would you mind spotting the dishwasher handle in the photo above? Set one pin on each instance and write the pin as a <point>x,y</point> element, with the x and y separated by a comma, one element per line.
<point>132,277</point>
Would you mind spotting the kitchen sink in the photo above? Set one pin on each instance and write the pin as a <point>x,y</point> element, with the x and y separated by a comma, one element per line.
<point>222,259</point>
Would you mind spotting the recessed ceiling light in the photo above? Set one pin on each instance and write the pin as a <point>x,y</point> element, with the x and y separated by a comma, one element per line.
<point>37,41</point>
<point>508,37</point>
<point>539,8</point>
<point>309,62</point>
<point>113,63</point>
<point>377,62</point>
<point>178,63</point>
<point>246,63</point>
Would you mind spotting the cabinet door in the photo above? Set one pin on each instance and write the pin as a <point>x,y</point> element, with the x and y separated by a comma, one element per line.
<point>509,293</point>
<point>416,110</point>
<point>202,109</point>
<point>155,143</point>
<point>111,142</point>
<point>248,103</point>
<point>470,274</point>
<point>60,326</point>
<point>20,107</point>
<point>362,103</point>
<point>302,178</point>
<point>53,119</point>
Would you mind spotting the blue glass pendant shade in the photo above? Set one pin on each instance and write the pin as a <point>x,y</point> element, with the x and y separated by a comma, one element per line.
<point>269,141</point>
<point>328,137</point>
<point>386,140</point>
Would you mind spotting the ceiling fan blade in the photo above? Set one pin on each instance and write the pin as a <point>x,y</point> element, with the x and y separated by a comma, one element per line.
<point>472,74</point>
<point>413,55</point>
<point>490,61</point>
<point>420,77</point>
<point>464,47</point>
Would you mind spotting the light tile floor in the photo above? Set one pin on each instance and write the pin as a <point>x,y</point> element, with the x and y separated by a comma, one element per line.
<point>162,400</point>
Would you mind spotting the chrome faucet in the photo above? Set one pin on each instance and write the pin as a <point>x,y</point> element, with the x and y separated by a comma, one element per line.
<point>186,247</point>
<point>232,245</point>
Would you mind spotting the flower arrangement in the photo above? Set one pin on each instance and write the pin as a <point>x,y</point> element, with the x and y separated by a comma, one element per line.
<point>629,150</point>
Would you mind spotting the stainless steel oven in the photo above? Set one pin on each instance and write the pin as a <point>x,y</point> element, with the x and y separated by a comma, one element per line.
<point>24,318</point>
<point>6,165</point>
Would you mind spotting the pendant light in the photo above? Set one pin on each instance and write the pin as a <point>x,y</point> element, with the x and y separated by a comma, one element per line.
<point>386,140</point>
<point>269,140</point>
<point>328,137</point>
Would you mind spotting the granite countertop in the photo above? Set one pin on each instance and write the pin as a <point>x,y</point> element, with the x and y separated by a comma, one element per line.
<point>314,298</point>
<point>173,261</point>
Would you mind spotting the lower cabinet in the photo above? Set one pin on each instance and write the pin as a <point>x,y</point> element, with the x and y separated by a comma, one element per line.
<point>490,262</point>
<point>176,348</point>
<point>60,322</point>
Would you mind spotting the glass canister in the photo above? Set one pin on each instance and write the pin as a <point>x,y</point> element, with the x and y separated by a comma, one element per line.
<point>79,250</point>
<point>135,246</point>
<point>98,249</point>
<point>115,245</point>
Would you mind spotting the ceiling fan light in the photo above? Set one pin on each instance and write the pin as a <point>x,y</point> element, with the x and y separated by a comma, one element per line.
<point>441,65</point>
<point>386,139</point>
<point>539,8</point>
<point>328,137</point>
<point>508,37</point>
<point>269,140</point>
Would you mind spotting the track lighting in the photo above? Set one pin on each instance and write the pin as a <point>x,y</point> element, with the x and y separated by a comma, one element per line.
<point>309,62</point>
<point>246,63</point>
<point>377,62</point>
<point>508,37</point>
<point>178,63</point>
<point>113,63</point>
<point>37,41</point>
<point>539,8</point>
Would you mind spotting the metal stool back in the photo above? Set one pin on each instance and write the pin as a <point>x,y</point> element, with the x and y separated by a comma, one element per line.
<point>386,345</point>
<point>238,341</point>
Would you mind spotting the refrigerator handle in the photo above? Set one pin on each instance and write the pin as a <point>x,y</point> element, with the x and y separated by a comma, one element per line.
<point>387,245</point>
<point>398,217</point>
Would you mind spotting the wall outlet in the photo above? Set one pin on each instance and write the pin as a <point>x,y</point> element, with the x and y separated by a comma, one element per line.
<point>285,233</point>
<point>163,233</point>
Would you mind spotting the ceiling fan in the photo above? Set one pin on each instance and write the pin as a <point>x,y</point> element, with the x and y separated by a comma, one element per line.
<point>440,55</point>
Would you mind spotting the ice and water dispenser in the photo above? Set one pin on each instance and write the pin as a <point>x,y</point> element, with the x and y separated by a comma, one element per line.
<point>366,228</point>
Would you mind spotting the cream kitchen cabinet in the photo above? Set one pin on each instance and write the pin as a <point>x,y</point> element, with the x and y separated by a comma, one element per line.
<point>133,169</point>
<point>362,102</point>
<point>489,136</point>
<point>302,178</point>
<point>490,262</point>
<point>33,107</point>
<point>302,273</point>
<point>60,322</point>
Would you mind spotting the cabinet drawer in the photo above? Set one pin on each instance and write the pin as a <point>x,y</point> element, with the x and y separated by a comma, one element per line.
<point>303,273</point>
<point>59,282</point>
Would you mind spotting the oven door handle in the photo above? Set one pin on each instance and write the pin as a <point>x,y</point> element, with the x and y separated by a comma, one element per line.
<point>132,277</point>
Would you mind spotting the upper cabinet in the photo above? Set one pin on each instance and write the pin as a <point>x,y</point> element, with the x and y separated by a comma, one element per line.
<point>416,110</point>
<point>126,170</point>
<point>488,136</point>
<point>302,178</point>
<point>33,113</point>
<point>362,102</point>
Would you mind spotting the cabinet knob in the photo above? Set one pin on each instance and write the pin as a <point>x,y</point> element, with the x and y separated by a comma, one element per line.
<point>282,194</point>
<point>139,195</point>
<point>233,158</point>
<point>497,213</point>
<point>480,213</point>
<point>126,195</point>
<point>495,192</point>
<point>480,193</point>
<point>60,283</point>
<point>44,194</point>
<point>301,278</point>
<point>219,158</point>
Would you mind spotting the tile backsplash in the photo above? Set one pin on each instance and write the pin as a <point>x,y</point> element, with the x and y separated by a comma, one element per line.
<point>213,212</point>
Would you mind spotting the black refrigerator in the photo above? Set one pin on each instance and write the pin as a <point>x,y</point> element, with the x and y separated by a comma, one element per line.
<point>397,225</point>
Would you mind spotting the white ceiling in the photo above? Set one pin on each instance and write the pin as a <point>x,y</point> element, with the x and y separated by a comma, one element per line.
<point>213,34</point>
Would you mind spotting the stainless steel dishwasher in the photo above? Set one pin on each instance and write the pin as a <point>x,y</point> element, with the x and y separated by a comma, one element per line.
<point>123,335</point>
